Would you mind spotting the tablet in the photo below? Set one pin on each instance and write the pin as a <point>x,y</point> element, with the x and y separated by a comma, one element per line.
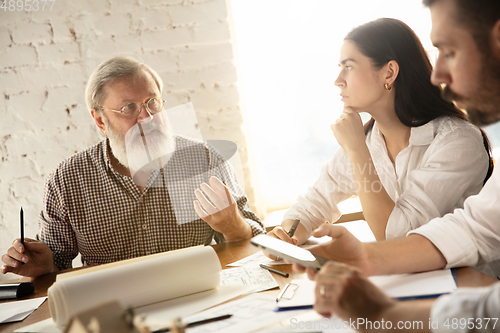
<point>288,251</point>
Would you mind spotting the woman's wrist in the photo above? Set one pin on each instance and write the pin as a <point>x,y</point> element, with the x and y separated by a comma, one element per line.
<point>359,152</point>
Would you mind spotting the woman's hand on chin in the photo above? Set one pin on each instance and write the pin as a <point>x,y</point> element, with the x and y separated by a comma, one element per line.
<point>348,130</point>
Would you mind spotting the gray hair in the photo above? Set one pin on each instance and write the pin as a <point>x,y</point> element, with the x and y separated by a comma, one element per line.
<point>111,71</point>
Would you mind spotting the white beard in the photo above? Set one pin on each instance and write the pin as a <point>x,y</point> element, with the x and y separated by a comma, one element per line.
<point>131,151</point>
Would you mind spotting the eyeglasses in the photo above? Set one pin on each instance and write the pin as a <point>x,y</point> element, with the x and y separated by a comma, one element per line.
<point>132,110</point>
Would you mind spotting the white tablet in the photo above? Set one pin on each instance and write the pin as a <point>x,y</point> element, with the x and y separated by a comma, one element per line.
<point>288,251</point>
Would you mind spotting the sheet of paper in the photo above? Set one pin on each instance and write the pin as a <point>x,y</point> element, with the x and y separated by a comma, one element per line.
<point>250,313</point>
<point>261,278</point>
<point>161,314</point>
<point>44,326</point>
<point>18,310</point>
<point>299,321</point>
<point>255,260</point>
<point>415,285</point>
<point>299,293</point>
<point>396,286</point>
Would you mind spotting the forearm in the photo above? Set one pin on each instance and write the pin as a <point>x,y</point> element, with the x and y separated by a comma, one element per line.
<point>376,203</point>
<point>414,253</point>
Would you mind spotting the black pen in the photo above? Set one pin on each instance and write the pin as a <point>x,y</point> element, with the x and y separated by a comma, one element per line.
<point>295,224</point>
<point>274,270</point>
<point>22,225</point>
<point>197,323</point>
<point>21,218</point>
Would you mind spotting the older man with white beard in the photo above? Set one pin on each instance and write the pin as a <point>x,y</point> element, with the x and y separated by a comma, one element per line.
<point>140,191</point>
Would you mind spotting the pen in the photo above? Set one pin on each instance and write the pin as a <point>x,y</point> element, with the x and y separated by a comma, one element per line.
<point>22,225</point>
<point>295,224</point>
<point>274,270</point>
<point>197,323</point>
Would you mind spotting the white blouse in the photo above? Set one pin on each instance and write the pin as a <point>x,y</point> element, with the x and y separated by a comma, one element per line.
<point>444,163</point>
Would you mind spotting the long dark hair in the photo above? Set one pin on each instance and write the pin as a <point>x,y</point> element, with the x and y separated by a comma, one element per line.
<point>416,100</point>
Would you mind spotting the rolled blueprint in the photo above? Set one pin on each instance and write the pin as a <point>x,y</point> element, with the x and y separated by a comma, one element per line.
<point>140,282</point>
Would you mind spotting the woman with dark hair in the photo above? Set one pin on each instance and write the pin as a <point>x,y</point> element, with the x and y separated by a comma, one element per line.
<point>416,159</point>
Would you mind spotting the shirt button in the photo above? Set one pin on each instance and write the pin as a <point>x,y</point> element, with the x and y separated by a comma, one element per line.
<point>144,226</point>
<point>148,253</point>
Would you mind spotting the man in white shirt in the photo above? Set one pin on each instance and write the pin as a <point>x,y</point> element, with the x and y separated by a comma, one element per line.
<point>467,35</point>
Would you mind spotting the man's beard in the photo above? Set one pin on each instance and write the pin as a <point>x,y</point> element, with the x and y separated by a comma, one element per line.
<point>483,106</point>
<point>138,153</point>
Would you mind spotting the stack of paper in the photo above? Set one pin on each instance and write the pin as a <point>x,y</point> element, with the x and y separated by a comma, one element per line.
<point>18,310</point>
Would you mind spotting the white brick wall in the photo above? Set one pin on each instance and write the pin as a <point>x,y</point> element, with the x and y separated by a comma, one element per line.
<point>47,56</point>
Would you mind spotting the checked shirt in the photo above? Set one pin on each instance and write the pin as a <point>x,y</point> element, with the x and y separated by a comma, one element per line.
<point>91,209</point>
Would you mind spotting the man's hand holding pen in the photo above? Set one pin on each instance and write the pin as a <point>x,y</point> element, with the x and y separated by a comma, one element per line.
<point>27,257</point>
<point>36,256</point>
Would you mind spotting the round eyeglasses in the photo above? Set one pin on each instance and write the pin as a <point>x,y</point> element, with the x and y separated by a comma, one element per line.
<point>132,110</point>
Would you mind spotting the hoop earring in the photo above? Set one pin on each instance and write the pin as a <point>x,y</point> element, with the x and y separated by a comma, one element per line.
<point>387,86</point>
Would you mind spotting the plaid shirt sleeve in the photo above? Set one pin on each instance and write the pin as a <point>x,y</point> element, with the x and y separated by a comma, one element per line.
<point>55,229</point>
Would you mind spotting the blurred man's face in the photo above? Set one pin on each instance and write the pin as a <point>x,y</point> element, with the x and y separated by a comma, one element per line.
<point>137,141</point>
<point>471,79</point>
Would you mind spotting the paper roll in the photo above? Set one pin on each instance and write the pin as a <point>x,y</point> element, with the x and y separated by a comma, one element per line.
<point>136,284</point>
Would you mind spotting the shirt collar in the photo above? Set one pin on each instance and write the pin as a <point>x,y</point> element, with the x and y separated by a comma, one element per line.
<point>419,136</point>
<point>422,135</point>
